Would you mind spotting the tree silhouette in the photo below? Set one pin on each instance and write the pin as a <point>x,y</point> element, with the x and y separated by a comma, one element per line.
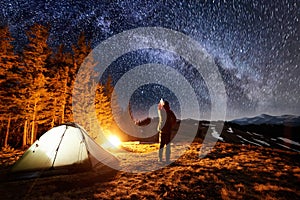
<point>103,109</point>
<point>9,80</point>
<point>37,88</point>
<point>83,94</point>
<point>80,51</point>
<point>59,87</point>
<point>35,56</point>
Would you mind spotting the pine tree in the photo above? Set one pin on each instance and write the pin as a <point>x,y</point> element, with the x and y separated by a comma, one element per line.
<point>115,110</point>
<point>84,94</point>
<point>107,108</point>
<point>58,86</point>
<point>103,109</point>
<point>109,88</point>
<point>35,56</point>
<point>81,51</point>
<point>9,81</point>
<point>68,73</point>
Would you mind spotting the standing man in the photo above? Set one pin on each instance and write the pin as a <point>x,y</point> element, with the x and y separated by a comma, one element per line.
<point>167,120</point>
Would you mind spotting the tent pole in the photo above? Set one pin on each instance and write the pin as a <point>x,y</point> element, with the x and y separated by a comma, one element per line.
<point>88,152</point>
<point>56,151</point>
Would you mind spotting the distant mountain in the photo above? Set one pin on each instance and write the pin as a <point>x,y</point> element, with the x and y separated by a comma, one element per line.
<point>278,132</point>
<point>287,120</point>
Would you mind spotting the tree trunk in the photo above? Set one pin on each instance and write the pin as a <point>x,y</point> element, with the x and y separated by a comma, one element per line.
<point>32,139</point>
<point>7,132</point>
<point>54,113</point>
<point>64,102</point>
<point>53,121</point>
<point>25,134</point>
<point>63,114</point>
<point>32,132</point>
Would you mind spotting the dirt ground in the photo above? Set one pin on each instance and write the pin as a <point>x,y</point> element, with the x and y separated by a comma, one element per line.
<point>228,172</point>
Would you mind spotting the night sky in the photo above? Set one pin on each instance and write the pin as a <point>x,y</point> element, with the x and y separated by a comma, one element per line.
<point>255,45</point>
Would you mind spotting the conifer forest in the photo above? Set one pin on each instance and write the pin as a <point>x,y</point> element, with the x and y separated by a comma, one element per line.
<point>36,86</point>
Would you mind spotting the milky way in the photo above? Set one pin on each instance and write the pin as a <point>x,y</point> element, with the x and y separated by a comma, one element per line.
<point>255,44</point>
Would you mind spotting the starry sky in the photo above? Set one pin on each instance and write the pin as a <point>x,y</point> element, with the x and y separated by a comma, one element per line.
<point>255,45</point>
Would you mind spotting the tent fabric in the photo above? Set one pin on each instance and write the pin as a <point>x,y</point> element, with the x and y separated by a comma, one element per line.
<point>65,146</point>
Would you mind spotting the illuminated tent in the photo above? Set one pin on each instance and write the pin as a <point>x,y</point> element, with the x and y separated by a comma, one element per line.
<point>65,148</point>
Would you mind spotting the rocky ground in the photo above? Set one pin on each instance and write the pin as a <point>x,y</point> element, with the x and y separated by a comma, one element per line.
<point>228,172</point>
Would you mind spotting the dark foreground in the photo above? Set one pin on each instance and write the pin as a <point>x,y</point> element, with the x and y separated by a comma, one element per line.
<point>229,172</point>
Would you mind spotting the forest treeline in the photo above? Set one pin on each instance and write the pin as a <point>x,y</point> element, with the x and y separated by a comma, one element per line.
<point>37,84</point>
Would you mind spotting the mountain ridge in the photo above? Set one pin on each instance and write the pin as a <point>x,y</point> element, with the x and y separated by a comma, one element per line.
<point>286,119</point>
